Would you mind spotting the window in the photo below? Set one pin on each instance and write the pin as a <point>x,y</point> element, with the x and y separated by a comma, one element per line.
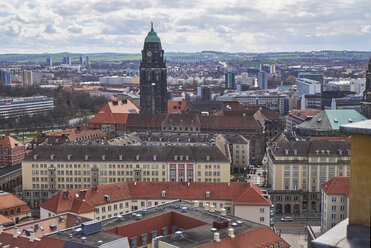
<point>342,199</point>
<point>261,219</point>
<point>342,208</point>
<point>261,210</point>
<point>334,199</point>
<point>333,216</point>
<point>103,209</point>
<point>333,208</point>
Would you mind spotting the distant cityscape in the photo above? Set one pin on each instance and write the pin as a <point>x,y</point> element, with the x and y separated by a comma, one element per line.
<point>208,149</point>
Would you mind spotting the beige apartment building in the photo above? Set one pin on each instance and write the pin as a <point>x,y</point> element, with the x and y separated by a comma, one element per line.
<point>237,148</point>
<point>296,170</point>
<point>49,169</point>
<point>243,200</point>
<point>334,202</point>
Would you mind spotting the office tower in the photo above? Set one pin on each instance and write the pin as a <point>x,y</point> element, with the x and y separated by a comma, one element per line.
<point>27,77</point>
<point>262,80</point>
<point>230,80</point>
<point>67,60</point>
<point>5,77</point>
<point>81,60</point>
<point>273,68</point>
<point>366,101</point>
<point>260,68</point>
<point>153,83</point>
<point>87,60</point>
<point>49,62</point>
<point>204,93</point>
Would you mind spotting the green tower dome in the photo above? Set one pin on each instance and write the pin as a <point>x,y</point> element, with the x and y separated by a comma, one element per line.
<point>152,36</point>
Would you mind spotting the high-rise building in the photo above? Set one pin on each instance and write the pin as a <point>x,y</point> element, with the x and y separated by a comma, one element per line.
<point>87,60</point>
<point>230,80</point>
<point>5,77</point>
<point>153,83</point>
<point>204,93</point>
<point>27,77</point>
<point>67,60</point>
<point>366,101</point>
<point>49,62</point>
<point>81,60</point>
<point>262,80</point>
<point>272,68</point>
<point>308,87</point>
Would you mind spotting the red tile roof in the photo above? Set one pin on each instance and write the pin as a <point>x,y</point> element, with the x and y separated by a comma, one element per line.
<point>337,186</point>
<point>8,142</point>
<point>114,113</point>
<point>20,241</point>
<point>10,201</point>
<point>304,113</point>
<point>5,220</point>
<point>261,237</point>
<point>239,193</point>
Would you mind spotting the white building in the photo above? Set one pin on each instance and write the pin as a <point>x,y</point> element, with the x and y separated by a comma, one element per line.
<point>10,107</point>
<point>334,202</point>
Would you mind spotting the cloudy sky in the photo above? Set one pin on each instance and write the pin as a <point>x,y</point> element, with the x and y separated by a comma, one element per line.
<point>41,26</point>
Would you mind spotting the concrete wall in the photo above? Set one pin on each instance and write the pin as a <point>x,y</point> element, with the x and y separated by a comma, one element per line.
<point>360,190</point>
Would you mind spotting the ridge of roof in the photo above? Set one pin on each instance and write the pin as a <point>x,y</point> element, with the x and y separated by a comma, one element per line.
<point>337,186</point>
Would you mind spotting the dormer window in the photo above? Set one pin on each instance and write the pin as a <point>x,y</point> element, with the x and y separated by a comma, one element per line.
<point>207,157</point>
<point>52,157</point>
<point>154,157</point>
<point>69,157</point>
<point>103,157</point>
<point>207,194</point>
<point>35,156</point>
<point>121,157</point>
<point>175,157</point>
<point>86,157</point>
<point>137,157</point>
<point>295,152</point>
<point>286,151</point>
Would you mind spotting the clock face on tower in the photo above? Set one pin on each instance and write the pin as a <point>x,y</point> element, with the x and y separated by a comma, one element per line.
<point>149,53</point>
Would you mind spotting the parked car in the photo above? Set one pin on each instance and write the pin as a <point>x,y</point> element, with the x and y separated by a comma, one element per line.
<point>286,219</point>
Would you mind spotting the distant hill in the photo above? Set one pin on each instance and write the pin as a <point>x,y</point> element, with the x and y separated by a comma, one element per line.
<point>117,57</point>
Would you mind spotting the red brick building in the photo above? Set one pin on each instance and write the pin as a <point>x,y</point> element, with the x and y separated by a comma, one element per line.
<point>12,152</point>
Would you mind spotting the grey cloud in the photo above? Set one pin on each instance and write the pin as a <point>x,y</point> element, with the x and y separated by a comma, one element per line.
<point>50,29</point>
<point>75,29</point>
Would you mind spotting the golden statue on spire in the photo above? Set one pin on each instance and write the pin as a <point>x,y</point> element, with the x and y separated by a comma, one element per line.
<point>151,26</point>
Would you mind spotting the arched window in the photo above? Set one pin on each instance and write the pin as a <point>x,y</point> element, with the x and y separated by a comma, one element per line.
<point>12,211</point>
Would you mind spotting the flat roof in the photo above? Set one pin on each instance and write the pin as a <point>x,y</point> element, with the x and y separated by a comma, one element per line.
<point>361,127</point>
<point>190,238</point>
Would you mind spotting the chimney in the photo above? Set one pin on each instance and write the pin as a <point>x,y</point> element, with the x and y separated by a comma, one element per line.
<point>196,204</point>
<point>231,232</point>
<point>15,235</point>
<point>206,207</point>
<point>212,208</point>
<point>217,237</point>
<point>32,237</point>
<point>223,212</point>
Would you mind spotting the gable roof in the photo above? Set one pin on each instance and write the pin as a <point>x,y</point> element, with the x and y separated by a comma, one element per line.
<point>8,200</point>
<point>239,193</point>
<point>8,142</point>
<point>337,186</point>
<point>114,113</point>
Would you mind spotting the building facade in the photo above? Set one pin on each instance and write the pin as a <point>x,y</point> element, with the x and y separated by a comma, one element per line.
<point>27,78</point>
<point>308,87</point>
<point>66,167</point>
<point>334,202</point>
<point>5,77</point>
<point>13,107</point>
<point>12,152</point>
<point>279,104</point>
<point>296,170</point>
<point>230,80</point>
<point>153,82</point>
<point>243,200</point>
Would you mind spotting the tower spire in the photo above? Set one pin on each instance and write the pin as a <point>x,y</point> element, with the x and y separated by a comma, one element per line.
<point>151,26</point>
